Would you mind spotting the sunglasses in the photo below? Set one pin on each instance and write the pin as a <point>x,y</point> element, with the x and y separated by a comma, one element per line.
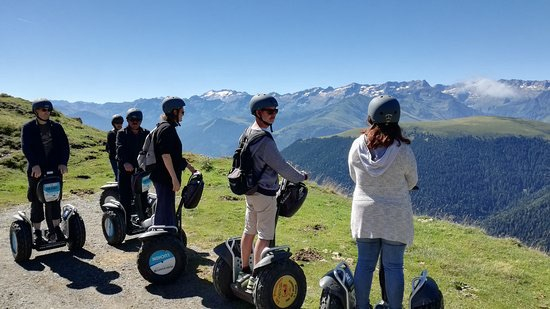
<point>118,122</point>
<point>270,111</point>
<point>44,109</point>
<point>134,120</point>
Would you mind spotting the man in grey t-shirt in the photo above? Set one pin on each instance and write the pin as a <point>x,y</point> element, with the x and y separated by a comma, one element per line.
<point>261,207</point>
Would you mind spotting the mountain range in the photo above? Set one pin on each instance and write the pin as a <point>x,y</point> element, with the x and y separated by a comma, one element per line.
<point>214,120</point>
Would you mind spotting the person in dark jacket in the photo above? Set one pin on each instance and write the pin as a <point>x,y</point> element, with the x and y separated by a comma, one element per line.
<point>46,148</point>
<point>129,142</point>
<point>170,164</point>
<point>110,147</point>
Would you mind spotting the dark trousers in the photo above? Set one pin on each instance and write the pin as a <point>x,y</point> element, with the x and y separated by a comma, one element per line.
<point>53,209</point>
<point>165,214</point>
<point>126,193</point>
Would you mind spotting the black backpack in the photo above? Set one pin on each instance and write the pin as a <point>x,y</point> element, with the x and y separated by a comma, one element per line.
<point>242,179</point>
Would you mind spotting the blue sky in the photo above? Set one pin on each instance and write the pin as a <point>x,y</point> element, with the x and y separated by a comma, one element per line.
<point>119,50</point>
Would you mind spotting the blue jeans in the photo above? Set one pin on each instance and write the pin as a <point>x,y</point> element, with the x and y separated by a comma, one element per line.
<point>391,254</point>
<point>114,166</point>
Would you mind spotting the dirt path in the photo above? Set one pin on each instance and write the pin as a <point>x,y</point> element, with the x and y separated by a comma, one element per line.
<point>99,276</point>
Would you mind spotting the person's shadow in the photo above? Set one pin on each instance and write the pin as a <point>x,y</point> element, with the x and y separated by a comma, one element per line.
<point>71,266</point>
<point>191,285</point>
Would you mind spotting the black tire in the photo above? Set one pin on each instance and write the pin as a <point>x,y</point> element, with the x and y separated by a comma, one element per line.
<point>280,285</point>
<point>76,236</point>
<point>222,277</point>
<point>169,268</point>
<point>329,301</point>
<point>20,241</point>
<point>113,227</point>
<point>109,194</point>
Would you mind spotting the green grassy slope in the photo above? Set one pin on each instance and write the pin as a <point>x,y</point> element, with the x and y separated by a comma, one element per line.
<point>88,164</point>
<point>472,269</point>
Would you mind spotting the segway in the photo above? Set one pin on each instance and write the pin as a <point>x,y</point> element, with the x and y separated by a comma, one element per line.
<point>281,282</point>
<point>49,189</point>
<point>109,193</point>
<point>162,258</point>
<point>113,222</point>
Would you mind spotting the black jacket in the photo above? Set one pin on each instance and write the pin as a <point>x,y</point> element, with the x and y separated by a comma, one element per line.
<point>31,144</point>
<point>110,147</point>
<point>128,146</point>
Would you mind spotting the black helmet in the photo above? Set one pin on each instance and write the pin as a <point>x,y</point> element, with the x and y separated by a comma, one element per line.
<point>192,192</point>
<point>41,103</point>
<point>117,119</point>
<point>260,101</point>
<point>171,103</point>
<point>290,197</point>
<point>384,109</point>
<point>425,293</point>
<point>134,113</point>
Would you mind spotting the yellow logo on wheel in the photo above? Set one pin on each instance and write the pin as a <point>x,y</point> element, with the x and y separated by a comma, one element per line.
<point>285,291</point>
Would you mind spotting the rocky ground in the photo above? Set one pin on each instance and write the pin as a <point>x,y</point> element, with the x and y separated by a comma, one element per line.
<point>99,276</point>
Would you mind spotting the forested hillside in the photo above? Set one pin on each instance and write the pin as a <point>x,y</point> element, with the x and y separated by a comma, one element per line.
<point>501,183</point>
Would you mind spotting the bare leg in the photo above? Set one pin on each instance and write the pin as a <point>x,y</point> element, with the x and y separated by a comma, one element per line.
<point>246,248</point>
<point>261,244</point>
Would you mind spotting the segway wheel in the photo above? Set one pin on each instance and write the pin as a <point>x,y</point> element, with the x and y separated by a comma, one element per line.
<point>108,195</point>
<point>77,233</point>
<point>329,301</point>
<point>222,276</point>
<point>20,241</point>
<point>112,223</point>
<point>161,259</point>
<point>280,285</point>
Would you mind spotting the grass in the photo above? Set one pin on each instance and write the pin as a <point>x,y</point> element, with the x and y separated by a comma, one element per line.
<point>472,269</point>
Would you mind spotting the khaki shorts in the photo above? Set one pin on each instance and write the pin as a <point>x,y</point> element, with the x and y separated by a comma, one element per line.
<point>260,216</point>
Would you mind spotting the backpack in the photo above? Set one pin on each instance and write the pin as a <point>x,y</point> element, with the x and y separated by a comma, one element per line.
<point>242,179</point>
<point>146,158</point>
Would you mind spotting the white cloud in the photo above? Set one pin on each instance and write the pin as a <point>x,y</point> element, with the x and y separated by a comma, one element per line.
<point>488,88</point>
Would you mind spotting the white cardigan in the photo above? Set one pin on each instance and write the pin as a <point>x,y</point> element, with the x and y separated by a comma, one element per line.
<point>381,206</point>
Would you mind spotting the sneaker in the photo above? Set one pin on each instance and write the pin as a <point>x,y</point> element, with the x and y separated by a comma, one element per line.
<point>59,234</point>
<point>50,235</point>
<point>38,239</point>
<point>251,284</point>
<point>381,305</point>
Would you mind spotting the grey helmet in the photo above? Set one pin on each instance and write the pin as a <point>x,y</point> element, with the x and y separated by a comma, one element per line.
<point>41,103</point>
<point>171,103</point>
<point>117,119</point>
<point>260,101</point>
<point>134,113</point>
<point>384,109</point>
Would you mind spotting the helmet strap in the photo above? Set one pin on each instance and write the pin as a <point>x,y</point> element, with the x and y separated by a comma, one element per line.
<point>38,117</point>
<point>265,123</point>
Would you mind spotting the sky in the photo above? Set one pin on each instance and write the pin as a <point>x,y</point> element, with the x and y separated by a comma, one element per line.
<point>119,51</point>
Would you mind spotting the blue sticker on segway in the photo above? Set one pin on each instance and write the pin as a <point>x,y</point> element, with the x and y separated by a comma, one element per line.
<point>145,183</point>
<point>162,262</point>
<point>52,191</point>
